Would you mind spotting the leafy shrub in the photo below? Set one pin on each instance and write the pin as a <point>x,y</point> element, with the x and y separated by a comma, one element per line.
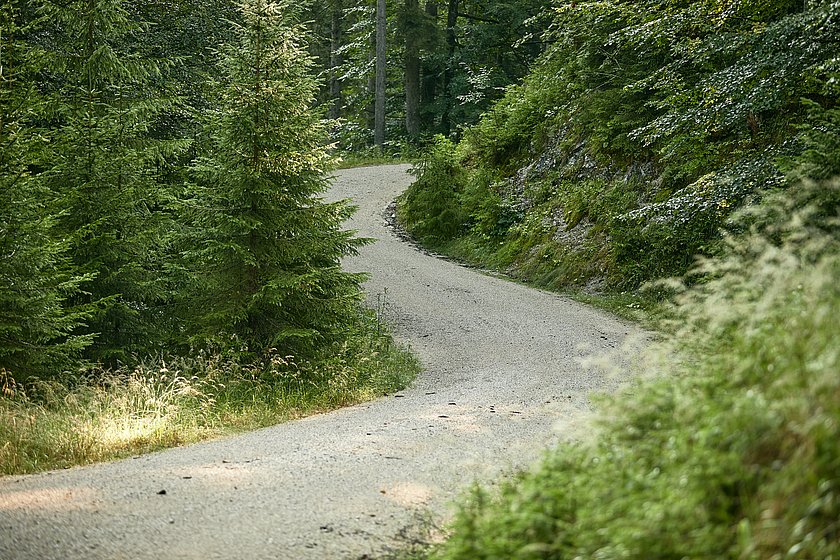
<point>429,208</point>
<point>820,159</point>
<point>489,215</point>
<point>504,133</point>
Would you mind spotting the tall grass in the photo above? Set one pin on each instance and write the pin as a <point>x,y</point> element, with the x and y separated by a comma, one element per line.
<point>730,447</point>
<point>101,415</point>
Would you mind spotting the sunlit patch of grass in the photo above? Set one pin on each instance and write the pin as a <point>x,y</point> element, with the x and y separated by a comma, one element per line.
<point>54,424</point>
<point>104,415</point>
<point>125,432</point>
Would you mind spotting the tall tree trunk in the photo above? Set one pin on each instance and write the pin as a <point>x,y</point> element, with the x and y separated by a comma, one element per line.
<point>412,74</point>
<point>379,101</point>
<point>335,59</point>
<point>451,45</point>
<point>371,83</point>
<point>430,74</point>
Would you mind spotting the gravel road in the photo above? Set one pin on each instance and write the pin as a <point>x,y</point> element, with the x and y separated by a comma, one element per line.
<point>503,379</point>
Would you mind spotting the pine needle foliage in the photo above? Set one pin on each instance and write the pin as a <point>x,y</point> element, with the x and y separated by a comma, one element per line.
<point>265,262</point>
<point>102,103</point>
<point>35,277</point>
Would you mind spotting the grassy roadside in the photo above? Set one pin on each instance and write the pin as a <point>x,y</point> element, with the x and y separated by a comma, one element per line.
<point>104,415</point>
<point>639,306</point>
<point>456,211</point>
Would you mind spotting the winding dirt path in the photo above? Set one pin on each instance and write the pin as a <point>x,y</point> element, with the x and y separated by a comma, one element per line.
<point>503,380</point>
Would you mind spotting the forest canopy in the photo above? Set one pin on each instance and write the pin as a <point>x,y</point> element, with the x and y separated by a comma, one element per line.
<point>133,204</point>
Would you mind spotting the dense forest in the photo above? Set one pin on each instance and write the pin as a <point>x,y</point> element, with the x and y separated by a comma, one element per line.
<point>637,134</point>
<point>162,231</point>
<point>163,239</point>
<point>141,163</point>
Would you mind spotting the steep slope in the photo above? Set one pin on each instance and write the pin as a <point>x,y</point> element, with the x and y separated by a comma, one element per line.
<point>639,131</point>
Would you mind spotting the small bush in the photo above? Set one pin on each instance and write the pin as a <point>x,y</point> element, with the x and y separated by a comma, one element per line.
<point>429,209</point>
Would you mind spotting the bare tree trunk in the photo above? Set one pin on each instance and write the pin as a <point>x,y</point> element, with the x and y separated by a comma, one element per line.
<point>412,75</point>
<point>379,98</point>
<point>371,83</point>
<point>335,59</point>
<point>429,74</point>
<point>451,43</point>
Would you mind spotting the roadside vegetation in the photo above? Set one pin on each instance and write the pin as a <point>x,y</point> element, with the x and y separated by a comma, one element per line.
<point>169,273</point>
<point>680,157</point>
<point>727,448</point>
<point>349,160</point>
<point>99,415</point>
<point>637,133</point>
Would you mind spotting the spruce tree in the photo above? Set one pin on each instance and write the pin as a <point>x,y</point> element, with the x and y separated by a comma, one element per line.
<point>103,167</point>
<point>267,249</point>
<point>35,278</point>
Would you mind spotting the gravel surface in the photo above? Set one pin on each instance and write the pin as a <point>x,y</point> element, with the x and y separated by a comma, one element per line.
<point>503,380</point>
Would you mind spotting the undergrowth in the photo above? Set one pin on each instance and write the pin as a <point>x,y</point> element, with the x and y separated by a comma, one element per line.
<point>395,151</point>
<point>559,232</point>
<point>729,447</point>
<point>101,415</point>
<point>473,216</point>
<point>350,160</point>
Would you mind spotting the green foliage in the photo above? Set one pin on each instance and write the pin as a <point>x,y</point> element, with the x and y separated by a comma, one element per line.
<point>464,67</point>
<point>739,88</point>
<point>731,451</point>
<point>821,136</point>
<point>104,415</point>
<point>489,216</point>
<point>108,257</point>
<point>415,26</point>
<point>35,276</point>
<point>494,43</point>
<point>681,111</point>
<point>503,135</point>
<point>111,267</point>
<point>101,101</point>
<point>264,250</point>
<point>429,209</point>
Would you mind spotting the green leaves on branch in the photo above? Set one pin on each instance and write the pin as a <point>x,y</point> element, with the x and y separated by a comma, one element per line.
<point>689,110</point>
